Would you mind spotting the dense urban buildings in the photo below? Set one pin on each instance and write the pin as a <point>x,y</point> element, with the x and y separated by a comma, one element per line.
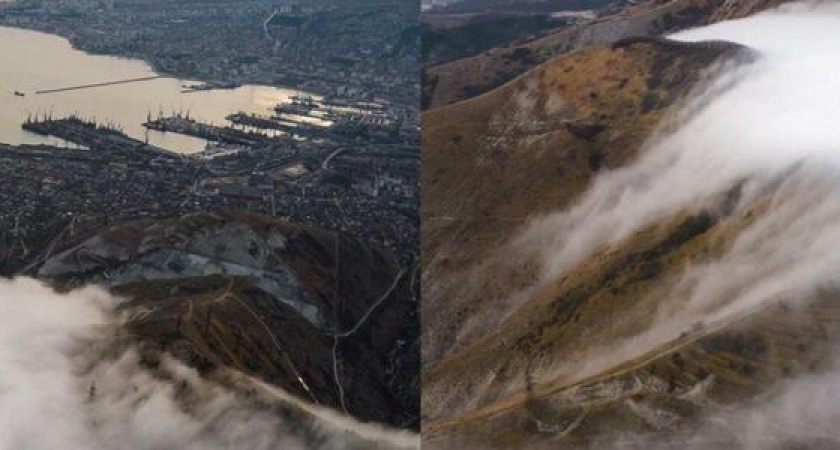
<point>355,170</point>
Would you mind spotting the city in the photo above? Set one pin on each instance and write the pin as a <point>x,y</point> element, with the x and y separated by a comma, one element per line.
<point>355,171</point>
<point>243,176</point>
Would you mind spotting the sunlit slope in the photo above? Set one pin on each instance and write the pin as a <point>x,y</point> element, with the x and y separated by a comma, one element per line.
<point>528,148</point>
<point>685,298</point>
<point>661,332</point>
<point>579,342</point>
<point>461,79</point>
<point>667,390</point>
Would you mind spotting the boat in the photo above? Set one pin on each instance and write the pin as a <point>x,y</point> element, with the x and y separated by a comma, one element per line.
<point>20,94</point>
<point>298,105</point>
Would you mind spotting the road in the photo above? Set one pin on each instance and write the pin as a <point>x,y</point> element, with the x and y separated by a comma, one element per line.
<point>326,164</point>
<point>370,311</point>
<point>279,348</point>
<point>557,385</point>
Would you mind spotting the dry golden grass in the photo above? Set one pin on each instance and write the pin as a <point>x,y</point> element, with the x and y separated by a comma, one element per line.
<point>494,162</point>
<point>465,78</point>
<point>531,147</point>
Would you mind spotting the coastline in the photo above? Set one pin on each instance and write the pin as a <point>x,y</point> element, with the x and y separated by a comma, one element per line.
<point>156,67</point>
<point>130,108</point>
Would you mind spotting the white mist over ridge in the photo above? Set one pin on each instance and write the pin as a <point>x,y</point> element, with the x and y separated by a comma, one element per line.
<point>65,385</point>
<point>773,127</point>
<point>753,120</point>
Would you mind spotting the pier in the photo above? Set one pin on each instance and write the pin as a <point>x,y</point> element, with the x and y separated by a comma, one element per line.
<point>90,134</point>
<point>185,125</point>
<point>96,85</point>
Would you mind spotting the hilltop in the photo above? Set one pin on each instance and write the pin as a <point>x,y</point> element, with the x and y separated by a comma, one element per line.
<point>266,298</point>
<point>457,80</point>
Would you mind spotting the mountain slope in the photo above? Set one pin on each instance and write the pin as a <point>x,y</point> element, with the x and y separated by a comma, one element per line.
<point>673,302</point>
<point>528,148</point>
<point>266,298</point>
<point>662,383</point>
<point>461,79</point>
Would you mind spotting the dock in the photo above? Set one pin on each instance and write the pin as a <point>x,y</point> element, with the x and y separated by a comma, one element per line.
<point>96,85</point>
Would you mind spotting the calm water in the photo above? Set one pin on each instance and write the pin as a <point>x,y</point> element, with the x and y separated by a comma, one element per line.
<point>32,61</point>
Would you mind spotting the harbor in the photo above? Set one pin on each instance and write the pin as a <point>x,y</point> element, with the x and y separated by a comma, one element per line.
<point>116,90</point>
<point>300,117</point>
<point>88,134</point>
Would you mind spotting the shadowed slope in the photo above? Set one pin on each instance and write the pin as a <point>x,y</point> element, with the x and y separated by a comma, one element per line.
<point>267,298</point>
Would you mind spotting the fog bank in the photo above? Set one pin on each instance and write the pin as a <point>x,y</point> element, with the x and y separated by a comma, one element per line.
<point>773,127</point>
<point>749,121</point>
<point>69,380</point>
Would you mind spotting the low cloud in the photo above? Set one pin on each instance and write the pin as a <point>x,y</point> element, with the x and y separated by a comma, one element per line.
<point>773,127</point>
<point>71,379</point>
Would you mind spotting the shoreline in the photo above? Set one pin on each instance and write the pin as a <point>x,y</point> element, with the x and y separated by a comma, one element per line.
<point>155,67</point>
<point>144,70</point>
